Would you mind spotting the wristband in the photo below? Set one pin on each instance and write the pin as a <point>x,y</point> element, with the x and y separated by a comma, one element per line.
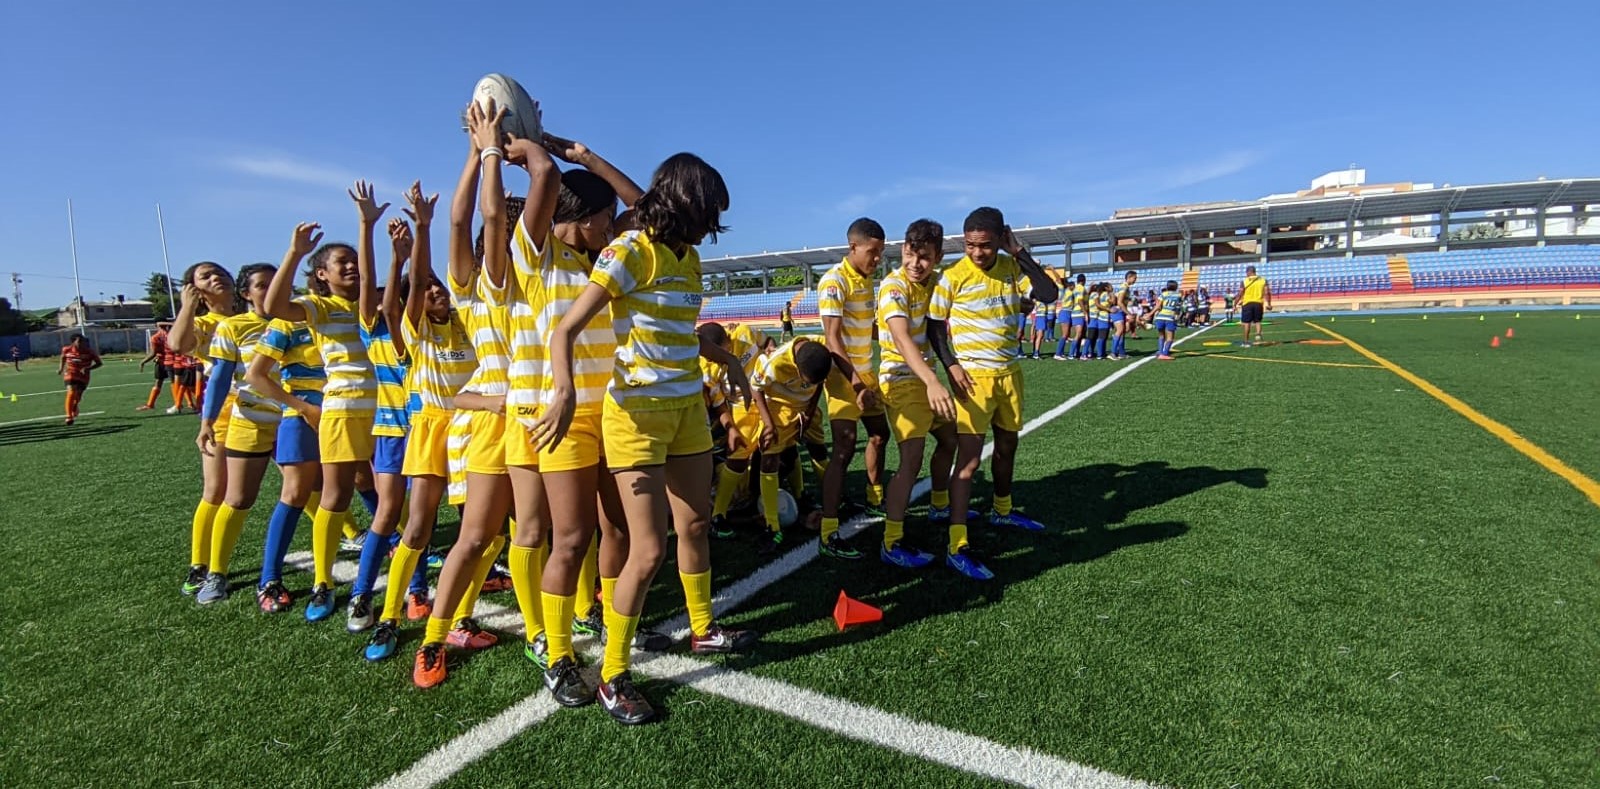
<point>484,154</point>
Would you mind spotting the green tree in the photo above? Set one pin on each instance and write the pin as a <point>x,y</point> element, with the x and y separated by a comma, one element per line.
<point>1478,232</point>
<point>155,289</point>
<point>12,322</point>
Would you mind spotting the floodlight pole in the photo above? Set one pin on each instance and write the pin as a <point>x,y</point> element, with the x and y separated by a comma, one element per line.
<point>172,300</point>
<point>72,236</point>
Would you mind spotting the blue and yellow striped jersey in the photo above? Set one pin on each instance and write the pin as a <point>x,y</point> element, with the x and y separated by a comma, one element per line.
<point>299,361</point>
<point>391,418</point>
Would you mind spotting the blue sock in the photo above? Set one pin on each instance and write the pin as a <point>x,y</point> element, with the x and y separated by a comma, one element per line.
<point>1122,344</point>
<point>394,540</point>
<point>1061,346</point>
<point>280,532</point>
<point>1077,345</point>
<point>371,498</point>
<point>419,579</point>
<point>1100,347</point>
<point>373,549</point>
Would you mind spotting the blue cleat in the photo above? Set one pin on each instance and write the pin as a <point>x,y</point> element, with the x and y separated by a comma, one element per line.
<point>434,559</point>
<point>1016,520</point>
<point>963,563</point>
<point>902,555</point>
<point>321,604</point>
<point>382,643</point>
<point>940,516</point>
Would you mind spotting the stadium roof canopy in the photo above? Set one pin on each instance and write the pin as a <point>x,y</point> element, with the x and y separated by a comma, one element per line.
<point>1249,218</point>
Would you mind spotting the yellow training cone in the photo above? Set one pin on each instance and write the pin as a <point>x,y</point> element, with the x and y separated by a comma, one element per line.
<point>1424,317</point>
<point>1374,320</point>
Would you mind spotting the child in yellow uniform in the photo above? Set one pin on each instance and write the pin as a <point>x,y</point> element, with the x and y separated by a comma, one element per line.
<point>656,440</point>
<point>208,297</point>
<point>785,391</point>
<point>252,427</point>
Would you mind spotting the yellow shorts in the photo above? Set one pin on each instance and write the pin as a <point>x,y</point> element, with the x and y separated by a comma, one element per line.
<point>749,425</point>
<point>579,450</point>
<point>247,437</point>
<point>518,444</point>
<point>635,439</point>
<point>995,401</point>
<point>428,447</point>
<point>345,438</point>
<point>910,416</point>
<point>224,421</point>
<point>842,398</point>
<point>485,447</point>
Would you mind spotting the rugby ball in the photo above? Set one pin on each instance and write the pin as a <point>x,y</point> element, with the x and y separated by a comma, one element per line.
<point>522,112</point>
<point>788,510</point>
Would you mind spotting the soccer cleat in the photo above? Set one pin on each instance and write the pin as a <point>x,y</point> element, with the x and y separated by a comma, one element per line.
<point>174,410</point>
<point>214,590</point>
<point>352,545</point>
<point>1058,357</point>
<point>720,641</point>
<point>626,704</point>
<point>651,640</point>
<point>963,563</point>
<point>70,420</point>
<point>498,580</point>
<point>1015,520</point>
<point>1165,357</point>
<point>902,555</point>
<point>537,652</point>
<point>144,408</point>
<point>721,529</point>
<point>940,516</point>
<point>418,606</point>
<point>770,543</point>
<point>273,598</point>
<point>383,641</point>
<point>566,684</point>
<point>835,547</point>
<point>320,606</point>
<point>467,634</point>
<point>359,616</point>
<point>195,579</point>
<point>434,559</point>
<point>429,669</point>
<point>591,626</point>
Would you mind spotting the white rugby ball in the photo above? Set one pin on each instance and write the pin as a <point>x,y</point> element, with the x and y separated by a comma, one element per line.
<point>788,510</point>
<point>522,112</point>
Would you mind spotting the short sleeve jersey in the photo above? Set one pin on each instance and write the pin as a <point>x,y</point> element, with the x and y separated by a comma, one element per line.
<point>442,362</point>
<point>299,361</point>
<point>548,282</point>
<point>656,302</point>
<point>235,341</point>
<point>483,313</point>
<point>78,363</point>
<point>352,388</point>
<point>778,377</point>
<point>980,307</point>
<point>847,294</point>
<point>899,297</point>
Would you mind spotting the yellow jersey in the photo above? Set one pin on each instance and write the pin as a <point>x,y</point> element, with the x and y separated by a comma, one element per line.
<point>847,294</point>
<point>899,297</point>
<point>352,388</point>
<point>981,306</point>
<point>656,297</point>
<point>483,312</point>
<point>205,328</point>
<point>778,378</point>
<point>1254,291</point>
<point>235,341</point>
<point>442,362</point>
<point>299,361</point>
<point>548,281</point>
<point>391,418</point>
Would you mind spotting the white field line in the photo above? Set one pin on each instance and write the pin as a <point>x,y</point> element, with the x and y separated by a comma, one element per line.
<point>57,417</point>
<point>923,740</point>
<point>92,388</point>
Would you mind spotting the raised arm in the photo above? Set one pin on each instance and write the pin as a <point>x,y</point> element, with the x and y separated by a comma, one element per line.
<point>460,261</point>
<point>544,188</point>
<point>420,209</point>
<point>400,245</point>
<point>491,196</point>
<point>574,152</point>
<point>181,337</point>
<point>280,301</point>
<point>1044,288</point>
<point>370,213</point>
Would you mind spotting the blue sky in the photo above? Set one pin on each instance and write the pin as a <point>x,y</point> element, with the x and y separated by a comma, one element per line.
<point>243,119</point>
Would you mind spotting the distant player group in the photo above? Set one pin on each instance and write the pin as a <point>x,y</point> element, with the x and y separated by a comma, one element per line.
<point>558,387</point>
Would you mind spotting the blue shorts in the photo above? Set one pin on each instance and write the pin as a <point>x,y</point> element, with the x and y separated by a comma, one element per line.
<point>1040,323</point>
<point>1166,324</point>
<point>1117,317</point>
<point>1077,320</point>
<point>388,454</point>
<point>1099,324</point>
<point>297,442</point>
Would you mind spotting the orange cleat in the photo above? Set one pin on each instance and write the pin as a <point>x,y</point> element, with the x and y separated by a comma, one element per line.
<point>429,669</point>
<point>418,606</point>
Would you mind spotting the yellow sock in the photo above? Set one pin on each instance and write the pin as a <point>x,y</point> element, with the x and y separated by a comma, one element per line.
<point>697,595</point>
<point>200,532</point>
<point>405,513</point>
<point>469,601</point>
<point>313,503</point>
<point>769,500</point>
<point>1002,505</point>
<point>821,467</point>
<point>437,630</point>
<point>797,480</point>
<point>348,527</point>
<point>940,499</point>
<point>830,527</point>
<point>608,592</point>
<point>224,535</point>
<point>401,567</point>
<point>527,573</point>
<point>325,543</point>
<point>558,635</point>
<point>727,485</point>
<point>619,643</point>
<point>893,532</point>
<point>875,495</point>
<point>587,573</point>
<point>958,537</point>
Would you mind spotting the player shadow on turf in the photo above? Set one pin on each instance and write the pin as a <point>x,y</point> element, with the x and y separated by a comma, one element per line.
<point>39,433</point>
<point>1087,511</point>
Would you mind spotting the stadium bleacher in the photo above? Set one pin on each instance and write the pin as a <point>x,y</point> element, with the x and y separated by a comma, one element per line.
<point>748,306</point>
<point>1314,277</point>
<point>1516,267</point>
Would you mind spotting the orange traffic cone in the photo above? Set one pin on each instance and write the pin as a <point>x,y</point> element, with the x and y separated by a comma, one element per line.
<point>1495,343</point>
<point>849,612</point>
<point>1510,333</point>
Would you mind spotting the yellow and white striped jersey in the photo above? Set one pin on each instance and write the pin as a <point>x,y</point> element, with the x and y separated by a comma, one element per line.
<point>743,344</point>
<point>548,281</point>
<point>847,294</point>
<point>980,306</point>
<point>205,328</point>
<point>483,312</point>
<point>335,324</point>
<point>235,341</point>
<point>778,378</point>
<point>899,297</point>
<point>442,362</point>
<point>656,302</point>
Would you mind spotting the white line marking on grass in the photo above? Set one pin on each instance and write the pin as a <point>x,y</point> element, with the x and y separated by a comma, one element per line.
<point>57,417</point>
<point>923,740</point>
<point>92,387</point>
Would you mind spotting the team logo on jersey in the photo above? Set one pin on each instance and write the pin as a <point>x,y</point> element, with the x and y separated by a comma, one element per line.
<point>898,297</point>
<point>832,291</point>
<point>607,257</point>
